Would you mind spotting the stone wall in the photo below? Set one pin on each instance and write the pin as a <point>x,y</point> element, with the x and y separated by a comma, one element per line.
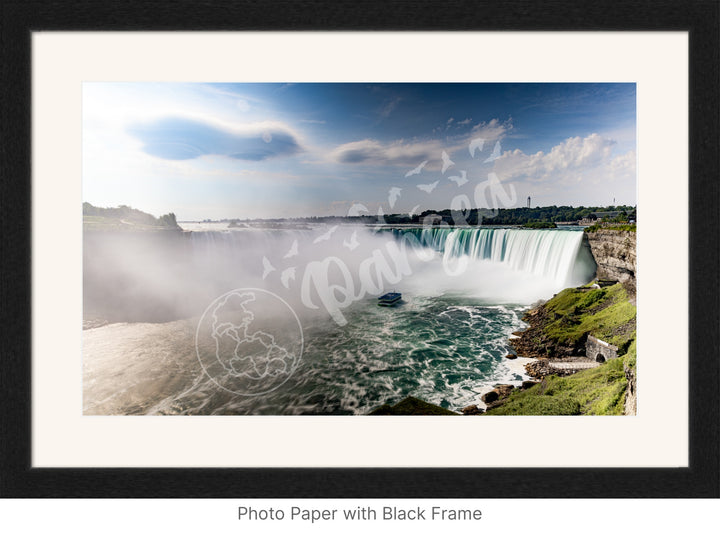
<point>599,350</point>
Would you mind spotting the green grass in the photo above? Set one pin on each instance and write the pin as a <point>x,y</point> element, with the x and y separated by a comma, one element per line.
<point>603,312</point>
<point>626,228</point>
<point>631,355</point>
<point>598,391</point>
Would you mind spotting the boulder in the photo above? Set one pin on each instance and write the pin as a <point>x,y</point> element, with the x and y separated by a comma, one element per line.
<point>510,356</point>
<point>500,392</point>
<point>538,368</point>
<point>504,390</point>
<point>490,397</point>
<point>471,410</point>
<point>528,384</point>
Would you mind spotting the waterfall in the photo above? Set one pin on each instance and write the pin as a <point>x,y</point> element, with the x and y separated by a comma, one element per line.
<point>496,264</point>
<point>558,255</point>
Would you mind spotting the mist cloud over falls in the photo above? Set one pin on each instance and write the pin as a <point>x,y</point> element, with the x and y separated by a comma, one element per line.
<point>321,271</point>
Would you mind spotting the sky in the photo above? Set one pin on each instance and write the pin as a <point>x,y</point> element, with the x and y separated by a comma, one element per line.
<point>225,151</point>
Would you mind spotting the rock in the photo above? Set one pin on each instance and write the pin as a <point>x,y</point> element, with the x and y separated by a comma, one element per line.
<point>472,410</point>
<point>510,356</point>
<point>528,384</point>
<point>489,397</point>
<point>615,254</point>
<point>631,391</point>
<point>504,390</point>
<point>538,368</point>
<point>500,392</point>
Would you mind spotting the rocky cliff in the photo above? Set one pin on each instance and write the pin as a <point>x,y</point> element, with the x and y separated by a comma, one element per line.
<point>630,391</point>
<point>560,327</point>
<point>615,256</point>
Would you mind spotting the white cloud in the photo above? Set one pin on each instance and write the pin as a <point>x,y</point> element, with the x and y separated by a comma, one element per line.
<point>624,163</point>
<point>464,122</point>
<point>589,160</point>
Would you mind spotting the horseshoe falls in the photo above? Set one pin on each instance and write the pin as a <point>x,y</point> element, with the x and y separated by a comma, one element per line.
<point>558,255</point>
<point>464,293</point>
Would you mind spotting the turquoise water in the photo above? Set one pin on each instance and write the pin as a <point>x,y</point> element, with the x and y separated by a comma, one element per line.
<point>441,349</point>
<point>446,350</point>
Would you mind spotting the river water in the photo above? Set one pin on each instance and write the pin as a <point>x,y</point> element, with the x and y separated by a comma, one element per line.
<point>258,321</point>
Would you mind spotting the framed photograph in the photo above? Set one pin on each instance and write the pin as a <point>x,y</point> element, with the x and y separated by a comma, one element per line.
<point>279,257</point>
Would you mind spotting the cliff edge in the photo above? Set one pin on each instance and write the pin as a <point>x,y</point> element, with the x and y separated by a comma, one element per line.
<point>615,255</point>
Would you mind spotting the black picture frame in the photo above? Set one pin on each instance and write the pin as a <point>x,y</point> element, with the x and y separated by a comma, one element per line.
<point>700,18</point>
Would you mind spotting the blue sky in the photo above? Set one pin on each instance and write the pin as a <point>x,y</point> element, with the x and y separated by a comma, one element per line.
<point>286,150</point>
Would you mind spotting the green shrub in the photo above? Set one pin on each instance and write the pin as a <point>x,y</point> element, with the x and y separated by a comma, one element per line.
<point>597,226</point>
<point>539,224</point>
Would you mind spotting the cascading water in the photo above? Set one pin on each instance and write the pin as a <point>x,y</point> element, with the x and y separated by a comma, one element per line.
<point>559,255</point>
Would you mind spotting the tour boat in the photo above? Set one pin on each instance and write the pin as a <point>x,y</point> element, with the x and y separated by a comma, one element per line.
<point>389,299</point>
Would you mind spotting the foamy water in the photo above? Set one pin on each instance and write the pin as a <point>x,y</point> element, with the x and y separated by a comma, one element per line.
<point>433,348</point>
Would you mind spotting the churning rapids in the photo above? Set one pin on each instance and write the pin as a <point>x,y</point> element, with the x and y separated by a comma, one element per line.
<point>154,297</point>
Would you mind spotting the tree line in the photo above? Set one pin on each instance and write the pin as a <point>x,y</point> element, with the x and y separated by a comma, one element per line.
<point>132,215</point>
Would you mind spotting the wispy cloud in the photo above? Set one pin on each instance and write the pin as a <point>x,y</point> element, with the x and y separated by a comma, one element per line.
<point>184,138</point>
<point>373,152</point>
<point>312,121</point>
<point>242,101</point>
<point>493,130</point>
<point>402,153</point>
<point>389,107</point>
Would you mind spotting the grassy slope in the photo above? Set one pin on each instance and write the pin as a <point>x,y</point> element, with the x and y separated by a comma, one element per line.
<point>605,313</point>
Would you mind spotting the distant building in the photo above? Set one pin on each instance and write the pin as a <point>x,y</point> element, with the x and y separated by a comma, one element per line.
<point>603,216</point>
<point>528,201</point>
